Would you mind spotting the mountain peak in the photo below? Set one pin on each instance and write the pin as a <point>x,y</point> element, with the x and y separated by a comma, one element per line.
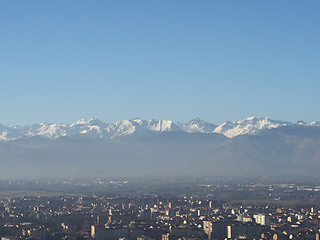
<point>300,122</point>
<point>198,125</point>
<point>251,118</point>
<point>250,125</point>
<point>315,124</point>
<point>136,118</point>
<point>92,121</point>
<point>254,118</point>
<point>196,120</point>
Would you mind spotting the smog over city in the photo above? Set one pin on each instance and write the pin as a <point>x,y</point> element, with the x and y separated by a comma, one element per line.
<point>159,120</point>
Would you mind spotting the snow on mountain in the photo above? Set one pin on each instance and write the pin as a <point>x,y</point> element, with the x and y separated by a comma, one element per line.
<point>137,126</point>
<point>198,125</point>
<point>140,127</point>
<point>4,136</point>
<point>125,127</point>
<point>301,123</point>
<point>54,131</point>
<point>91,127</point>
<point>5,132</point>
<point>14,133</point>
<point>250,125</point>
<point>162,125</point>
<point>315,124</point>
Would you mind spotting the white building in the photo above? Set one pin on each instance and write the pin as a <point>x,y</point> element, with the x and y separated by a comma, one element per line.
<point>261,219</point>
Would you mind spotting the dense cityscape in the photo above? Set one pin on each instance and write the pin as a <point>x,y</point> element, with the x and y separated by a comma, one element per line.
<point>158,208</point>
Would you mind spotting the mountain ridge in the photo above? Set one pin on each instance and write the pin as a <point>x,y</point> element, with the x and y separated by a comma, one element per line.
<point>286,150</point>
<point>138,126</point>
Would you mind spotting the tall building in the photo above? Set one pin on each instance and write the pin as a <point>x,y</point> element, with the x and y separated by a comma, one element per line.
<point>261,219</point>
<point>243,231</point>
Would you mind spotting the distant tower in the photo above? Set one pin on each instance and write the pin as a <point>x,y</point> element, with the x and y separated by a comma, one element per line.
<point>98,220</point>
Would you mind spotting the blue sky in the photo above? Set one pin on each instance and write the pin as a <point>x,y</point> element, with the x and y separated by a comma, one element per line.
<point>219,60</point>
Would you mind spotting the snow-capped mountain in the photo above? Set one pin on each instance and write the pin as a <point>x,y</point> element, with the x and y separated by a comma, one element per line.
<point>301,123</point>
<point>197,125</point>
<point>161,147</point>
<point>137,126</point>
<point>250,125</point>
<point>315,124</point>
<point>89,128</point>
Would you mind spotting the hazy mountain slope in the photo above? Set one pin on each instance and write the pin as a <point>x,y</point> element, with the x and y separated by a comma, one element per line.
<point>159,154</point>
<point>290,150</point>
<point>282,151</point>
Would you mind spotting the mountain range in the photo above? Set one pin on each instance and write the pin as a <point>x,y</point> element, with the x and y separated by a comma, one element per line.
<point>252,147</point>
<point>100,129</point>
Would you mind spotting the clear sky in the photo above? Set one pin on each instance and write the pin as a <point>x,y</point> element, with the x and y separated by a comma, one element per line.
<point>61,61</point>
